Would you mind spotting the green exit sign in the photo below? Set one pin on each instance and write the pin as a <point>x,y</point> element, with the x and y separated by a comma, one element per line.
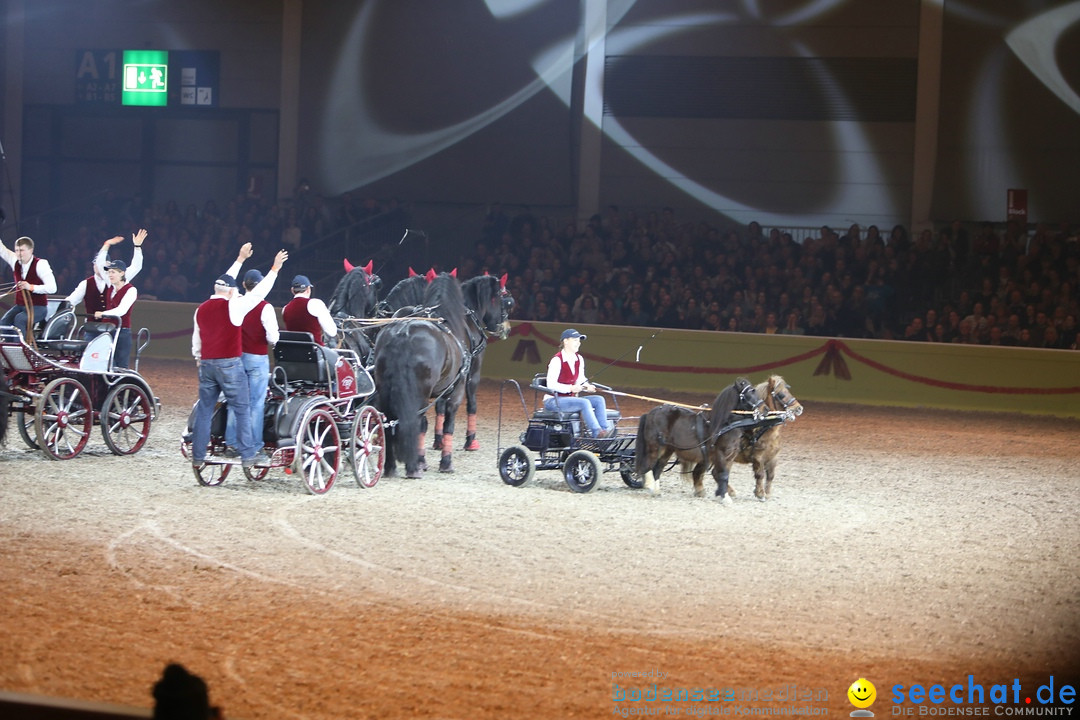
<point>145,77</point>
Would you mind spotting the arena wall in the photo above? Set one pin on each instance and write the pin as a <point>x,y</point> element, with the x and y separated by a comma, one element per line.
<point>867,372</point>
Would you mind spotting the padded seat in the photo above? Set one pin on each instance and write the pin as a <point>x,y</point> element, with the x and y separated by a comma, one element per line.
<point>302,359</point>
<point>539,384</point>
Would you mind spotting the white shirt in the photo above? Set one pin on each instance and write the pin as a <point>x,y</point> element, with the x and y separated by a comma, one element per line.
<point>101,279</point>
<point>44,271</point>
<point>125,303</point>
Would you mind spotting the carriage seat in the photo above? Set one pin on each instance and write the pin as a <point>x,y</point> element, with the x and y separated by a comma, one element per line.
<point>304,360</point>
<point>539,384</point>
<point>88,332</point>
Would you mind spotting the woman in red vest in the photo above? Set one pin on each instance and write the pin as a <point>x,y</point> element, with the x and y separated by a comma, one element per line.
<point>566,379</point>
<point>120,296</point>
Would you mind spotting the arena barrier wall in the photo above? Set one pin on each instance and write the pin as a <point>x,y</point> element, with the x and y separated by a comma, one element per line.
<point>868,372</point>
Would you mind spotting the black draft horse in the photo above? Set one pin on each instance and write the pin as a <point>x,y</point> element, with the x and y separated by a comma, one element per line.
<point>356,296</point>
<point>489,304</point>
<point>696,438</point>
<point>419,360</point>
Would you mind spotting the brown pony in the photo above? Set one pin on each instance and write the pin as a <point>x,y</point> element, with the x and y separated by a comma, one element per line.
<point>695,438</point>
<point>758,446</point>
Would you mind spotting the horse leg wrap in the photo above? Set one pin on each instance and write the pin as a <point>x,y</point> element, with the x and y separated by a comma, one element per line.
<point>471,443</point>
<point>446,462</point>
<point>438,442</point>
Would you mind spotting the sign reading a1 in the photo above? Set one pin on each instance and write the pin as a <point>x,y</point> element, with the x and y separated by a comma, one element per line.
<point>145,77</point>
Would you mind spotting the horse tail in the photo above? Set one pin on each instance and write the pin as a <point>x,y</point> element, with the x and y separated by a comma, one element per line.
<point>640,461</point>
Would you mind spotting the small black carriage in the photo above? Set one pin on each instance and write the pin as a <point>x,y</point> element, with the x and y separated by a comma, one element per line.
<point>554,436</point>
<point>317,414</point>
<point>61,382</point>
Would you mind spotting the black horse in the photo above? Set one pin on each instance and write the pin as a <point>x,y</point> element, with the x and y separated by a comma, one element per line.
<point>406,295</point>
<point>489,304</point>
<point>419,360</point>
<point>356,296</point>
<point>698,439</point>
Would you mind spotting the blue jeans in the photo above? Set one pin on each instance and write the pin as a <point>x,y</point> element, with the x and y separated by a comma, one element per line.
<point>222,375</point>
<point>16,315</point>
<point>257,368</point>
<point>122,353</point>
<point>593,410</point>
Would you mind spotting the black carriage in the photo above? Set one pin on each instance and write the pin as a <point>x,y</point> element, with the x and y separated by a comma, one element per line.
<point>552,440</point>
<point>317,414</point>
<point>61,382</point>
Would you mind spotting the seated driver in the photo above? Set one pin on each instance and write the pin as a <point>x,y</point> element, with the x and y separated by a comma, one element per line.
<point>566,379</point>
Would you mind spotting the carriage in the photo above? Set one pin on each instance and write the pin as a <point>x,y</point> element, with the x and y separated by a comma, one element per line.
<point>316,416</point>
<point>61,381</point>
<point>554,436</point>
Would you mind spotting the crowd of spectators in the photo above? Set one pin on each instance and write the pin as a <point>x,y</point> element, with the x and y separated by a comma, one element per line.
<point>976,284</point>
<point>958,284</point>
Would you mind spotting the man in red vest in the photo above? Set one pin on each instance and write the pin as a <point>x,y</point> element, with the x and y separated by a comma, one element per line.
<point>307,314</point>
<point>91,291</point>
<point>217,345</point>
<point>34,281</point>
<point>258,333</point>
<point>120,296</point>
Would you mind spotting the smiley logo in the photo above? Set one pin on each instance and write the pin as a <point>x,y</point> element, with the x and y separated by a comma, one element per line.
<point>862,693</point>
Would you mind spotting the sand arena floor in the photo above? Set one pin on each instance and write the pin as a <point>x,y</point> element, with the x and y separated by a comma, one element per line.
<point>902,546</point>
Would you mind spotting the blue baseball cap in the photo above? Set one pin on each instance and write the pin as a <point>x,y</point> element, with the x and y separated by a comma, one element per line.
<point>252,276</point>
<point>572,333</point>
<point>226,280</point>
<point>300,282</point>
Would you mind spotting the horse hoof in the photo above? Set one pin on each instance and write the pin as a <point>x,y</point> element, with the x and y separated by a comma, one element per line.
<point>446,465</point>
<point>726,500</point>
<point>414,475</point>
<point>472,444</point>
<point>437,443</point>
<point>421,464</point>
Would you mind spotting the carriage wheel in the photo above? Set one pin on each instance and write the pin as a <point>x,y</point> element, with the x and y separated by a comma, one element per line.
<point>63,419</point>
<point>318,451</point>
<point>25,423</point>
<point>368,447</point>
<point>626,471</point>
<point>256,472</point>
<point>581,471</point>
<point>125,419</point>
<point>212,474</point>
<point>516,466</point>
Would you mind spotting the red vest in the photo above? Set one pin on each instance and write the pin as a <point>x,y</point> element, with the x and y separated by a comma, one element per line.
<point>112,300</point>
<point>253,333</point>
<point>94,299</point>
<point>220,338</point>
<point>32,277</point>
<point>568,374</point>
<point>298,319</point>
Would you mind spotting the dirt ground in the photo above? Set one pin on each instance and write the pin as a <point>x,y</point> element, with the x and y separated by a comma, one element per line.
<point>902,546</point>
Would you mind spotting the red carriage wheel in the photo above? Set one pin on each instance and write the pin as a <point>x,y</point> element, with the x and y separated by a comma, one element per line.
<point>64,419</point>
<point>125,418</point>
<point>318,451</point>
<point>368,446</point>
<point>212,474</point>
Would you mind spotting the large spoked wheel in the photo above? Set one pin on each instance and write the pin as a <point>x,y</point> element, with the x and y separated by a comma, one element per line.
<point>63,419</point>
<point>212,475</point>
<point>516,466</point>
<point>368,447</point>
<point>318,451</point>
<point>626,472</point>
<point>125,419</point>
<point>25,423</point>
<point>581,471</point>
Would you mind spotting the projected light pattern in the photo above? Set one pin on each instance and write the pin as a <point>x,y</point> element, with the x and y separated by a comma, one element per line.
<point>356,150</point>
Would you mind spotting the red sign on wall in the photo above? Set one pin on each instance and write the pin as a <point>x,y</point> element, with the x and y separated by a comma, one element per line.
<point>1016,208</point>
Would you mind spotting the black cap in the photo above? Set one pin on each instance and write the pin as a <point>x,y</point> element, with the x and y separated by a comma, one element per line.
<point>226,280</point>
<point>253,276</point>
<point>116,265</point>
